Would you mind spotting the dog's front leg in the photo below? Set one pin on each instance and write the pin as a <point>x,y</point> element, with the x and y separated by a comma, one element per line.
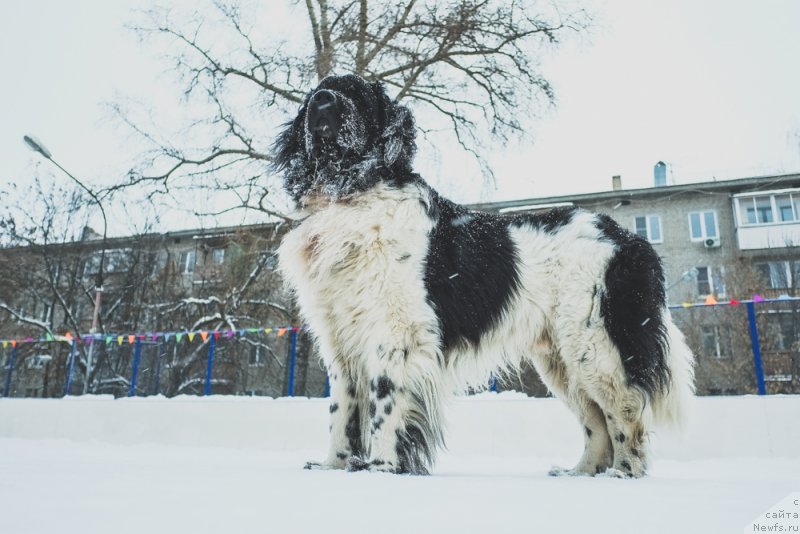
<point>405,426</point>
<point>346,418</point>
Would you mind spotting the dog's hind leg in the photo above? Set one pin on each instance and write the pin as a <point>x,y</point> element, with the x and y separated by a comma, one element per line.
<point>627,416</point>
<point>620,410</point>
<point>597,452</point>
<point>627,426</point>
<point>346,419</point>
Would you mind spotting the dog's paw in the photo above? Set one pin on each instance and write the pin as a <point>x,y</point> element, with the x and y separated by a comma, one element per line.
<point>612,472</point>
<point>556,471</point>
<point>320,466</point>
<point>374,466</point>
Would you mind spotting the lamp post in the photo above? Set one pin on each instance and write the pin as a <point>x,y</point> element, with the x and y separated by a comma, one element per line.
<point>36,145</point>
<point>685,277</point>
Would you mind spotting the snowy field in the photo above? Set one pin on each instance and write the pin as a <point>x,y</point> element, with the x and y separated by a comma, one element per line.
<point>230,465</point>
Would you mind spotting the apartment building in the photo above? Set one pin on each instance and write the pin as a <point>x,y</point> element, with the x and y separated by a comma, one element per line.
<point>727,239</point>
<point>194,280</point>
<point>724,239</point>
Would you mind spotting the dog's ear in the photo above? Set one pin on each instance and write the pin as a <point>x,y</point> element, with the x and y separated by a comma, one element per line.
<point>290,142</point>
<point>399,129</point>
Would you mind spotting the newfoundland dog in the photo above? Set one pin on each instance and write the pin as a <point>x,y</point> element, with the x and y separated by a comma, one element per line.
<point>411,297</point>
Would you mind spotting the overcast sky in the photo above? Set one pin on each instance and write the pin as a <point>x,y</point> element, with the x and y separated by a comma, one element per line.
<point>709,86</point>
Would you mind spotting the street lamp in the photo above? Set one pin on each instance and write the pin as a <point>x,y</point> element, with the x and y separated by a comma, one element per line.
<point>36,145</point>
<point>691,274</point>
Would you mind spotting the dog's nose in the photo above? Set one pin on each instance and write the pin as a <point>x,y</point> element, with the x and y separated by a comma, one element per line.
<point>323,114</point>
<point>323,99</point>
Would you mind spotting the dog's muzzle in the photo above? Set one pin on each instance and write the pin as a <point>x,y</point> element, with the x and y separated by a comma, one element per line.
<point>324,116</point>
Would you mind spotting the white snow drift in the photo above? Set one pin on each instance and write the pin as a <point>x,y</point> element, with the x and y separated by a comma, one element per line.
<point>227,464</point>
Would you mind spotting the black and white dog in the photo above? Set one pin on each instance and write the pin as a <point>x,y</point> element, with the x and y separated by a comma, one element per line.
<point>412,297</point>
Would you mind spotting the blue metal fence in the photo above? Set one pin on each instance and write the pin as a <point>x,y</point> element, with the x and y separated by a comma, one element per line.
<point>758,364</point>
<point>238,360</point>
<point>755,309</point>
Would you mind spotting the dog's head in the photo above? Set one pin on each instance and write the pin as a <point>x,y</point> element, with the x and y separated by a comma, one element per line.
<point>348,136</point>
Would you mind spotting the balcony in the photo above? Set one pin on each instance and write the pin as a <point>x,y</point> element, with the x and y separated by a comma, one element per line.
<point>776,293</point>
<point>767,219</point>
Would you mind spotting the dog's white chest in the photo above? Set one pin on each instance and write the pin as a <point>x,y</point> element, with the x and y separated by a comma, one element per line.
<point>358,260</point>
<point>368,234</point>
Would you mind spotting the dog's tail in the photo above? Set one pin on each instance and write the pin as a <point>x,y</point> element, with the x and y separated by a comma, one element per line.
<point>671,404</point>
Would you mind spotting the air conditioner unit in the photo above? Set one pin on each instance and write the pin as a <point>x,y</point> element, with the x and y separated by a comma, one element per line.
<point>712,242</point>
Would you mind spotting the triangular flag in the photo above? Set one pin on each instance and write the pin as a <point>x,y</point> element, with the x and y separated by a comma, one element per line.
<point>178,337</point>
<point>167,336</point>
<point>229,334</point>
<point>14,343</point>
<point>204,335</point>
<point>108,339</point>
<point>131,339</point>
<point>5,344</point>
<point>88,340</point>
<point>734,302</point>
<point>711,300</point>
<point>268,330</point>
<point>281,331</point>
<point>119,340</point>
<point>68,336</point>
<point>216,334</point>
<point>758,298</point>
<point>190,335</point>
<point>686,304</point>
<point>154,336</point>
<point>48,337</point>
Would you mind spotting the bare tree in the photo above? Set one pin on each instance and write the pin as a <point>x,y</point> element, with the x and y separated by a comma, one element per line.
<point>45,293</point>
<point>776,276</point>
<point>472,66</point>
<point>49,263</point>
<point>720,336</point>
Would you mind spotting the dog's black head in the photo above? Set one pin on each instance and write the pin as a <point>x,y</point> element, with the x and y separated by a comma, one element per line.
<point>348,136</point>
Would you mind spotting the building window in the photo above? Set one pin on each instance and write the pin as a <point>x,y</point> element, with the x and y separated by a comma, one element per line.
<point>38,361</point>
<point>716,341</point>
<point>187,261</point>
<point>703,225</point>
<point>763,210</point>
<point>114,261</point>
<point>783,203</point>
<point>782,331</point>
<point>649,227</point>
<point>779,274</point>
<point>705,284</point>
<point>256,355</point>
<point>218,256</point>
<point>769,209</point>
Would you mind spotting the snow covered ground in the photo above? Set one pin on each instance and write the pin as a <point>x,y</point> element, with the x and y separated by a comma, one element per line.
<point>225,464</point>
